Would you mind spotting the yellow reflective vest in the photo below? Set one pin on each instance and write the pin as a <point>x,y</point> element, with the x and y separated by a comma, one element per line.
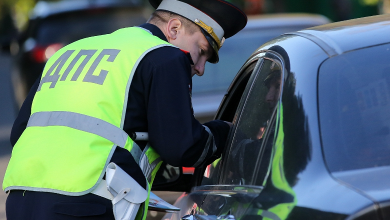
<point>78,113</point>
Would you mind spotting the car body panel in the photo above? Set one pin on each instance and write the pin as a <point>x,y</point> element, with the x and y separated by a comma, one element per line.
<point>315,171</point>
<point>352,127</point>
<point>353,34</point>
<point>305,92</point>
<point>374,182</point>
<point>385,209</point>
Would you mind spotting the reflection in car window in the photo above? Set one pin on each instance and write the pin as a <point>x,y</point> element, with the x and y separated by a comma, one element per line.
<point>354,103</point>
<point>213,171</point>
<point>254,126</point>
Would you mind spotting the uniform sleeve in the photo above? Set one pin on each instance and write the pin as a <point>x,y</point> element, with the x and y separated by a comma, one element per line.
<point>24,114</point>
<point>173,131</point>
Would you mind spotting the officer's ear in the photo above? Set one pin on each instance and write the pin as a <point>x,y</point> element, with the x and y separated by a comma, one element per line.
<point>174,28</point>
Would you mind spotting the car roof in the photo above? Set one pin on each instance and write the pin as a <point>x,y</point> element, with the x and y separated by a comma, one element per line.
<point>44,9</point>
<point>285,20</point>
<point>341,37</point>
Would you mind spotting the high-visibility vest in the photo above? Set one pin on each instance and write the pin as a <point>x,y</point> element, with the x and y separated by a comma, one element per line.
<point>78,113</point>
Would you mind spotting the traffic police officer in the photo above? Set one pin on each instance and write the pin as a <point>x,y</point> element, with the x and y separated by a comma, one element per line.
<point>76,120</point>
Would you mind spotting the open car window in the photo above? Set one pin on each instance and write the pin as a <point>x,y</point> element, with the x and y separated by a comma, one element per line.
<point>213,171</point>
<point>254,128</point>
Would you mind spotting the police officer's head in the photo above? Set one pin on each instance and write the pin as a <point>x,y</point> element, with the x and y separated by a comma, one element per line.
<point>198,26</point>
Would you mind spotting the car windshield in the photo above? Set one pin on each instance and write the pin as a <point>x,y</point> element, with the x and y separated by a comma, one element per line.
<point>232,55</point>
<point>67,28</point>
<point>354,104</point>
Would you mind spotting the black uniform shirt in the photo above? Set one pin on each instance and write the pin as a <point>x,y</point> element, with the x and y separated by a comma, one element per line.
<point>159,102</point>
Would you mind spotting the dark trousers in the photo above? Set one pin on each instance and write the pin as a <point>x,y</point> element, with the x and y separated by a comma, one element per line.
<point>22,205</point>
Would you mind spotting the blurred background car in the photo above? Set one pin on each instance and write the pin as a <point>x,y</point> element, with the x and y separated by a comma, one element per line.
<point>53,25</point>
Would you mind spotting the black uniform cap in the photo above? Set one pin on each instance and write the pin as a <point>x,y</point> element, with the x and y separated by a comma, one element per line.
<point>218,19</point>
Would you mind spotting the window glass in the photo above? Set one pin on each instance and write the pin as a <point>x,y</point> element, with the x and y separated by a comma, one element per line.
<point>254,126</point>
<point>213,171</point>
<point>354,103</point>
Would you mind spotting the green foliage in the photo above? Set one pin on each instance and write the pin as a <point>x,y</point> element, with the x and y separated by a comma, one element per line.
<point>18,10</point>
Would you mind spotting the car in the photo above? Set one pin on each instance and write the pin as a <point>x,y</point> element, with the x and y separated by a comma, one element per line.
<point>310,136</point>
<point>53,25</point>
<point>208,90</point>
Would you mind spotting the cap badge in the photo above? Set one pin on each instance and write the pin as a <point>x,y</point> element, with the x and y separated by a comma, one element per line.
<point>209,31</point>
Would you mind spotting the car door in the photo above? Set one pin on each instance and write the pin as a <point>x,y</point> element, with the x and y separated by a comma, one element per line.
<point>230,184</point>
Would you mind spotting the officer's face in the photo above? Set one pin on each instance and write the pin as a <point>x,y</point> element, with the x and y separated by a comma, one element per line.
<point>199,49</point>
<point>195,43</point>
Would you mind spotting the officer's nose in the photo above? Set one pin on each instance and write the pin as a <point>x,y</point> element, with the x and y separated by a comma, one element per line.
<point>199,68</point>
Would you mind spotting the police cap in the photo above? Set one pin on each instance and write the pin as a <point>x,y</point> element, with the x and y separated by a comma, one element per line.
<point>218,19</point>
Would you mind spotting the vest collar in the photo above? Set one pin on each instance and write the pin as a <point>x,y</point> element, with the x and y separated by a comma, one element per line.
<point>158,33</point>
<point>155,31</point>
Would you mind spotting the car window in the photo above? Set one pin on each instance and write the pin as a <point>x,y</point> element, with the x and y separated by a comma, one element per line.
<point>213,171</point>
<point>354,106</point>
<point>254,127</point>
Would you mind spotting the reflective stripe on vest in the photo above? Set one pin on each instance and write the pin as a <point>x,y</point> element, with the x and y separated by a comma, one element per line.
<point>148,162</point>
<point>85,123</point>
<point>78,114</point>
